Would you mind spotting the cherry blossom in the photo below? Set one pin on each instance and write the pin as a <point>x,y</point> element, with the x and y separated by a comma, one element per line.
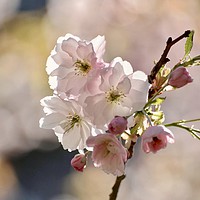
<point>122,92</point>
<point>156,138</point>
<point>108,153</point>
<point>74,65</point>
<point>68,122</point>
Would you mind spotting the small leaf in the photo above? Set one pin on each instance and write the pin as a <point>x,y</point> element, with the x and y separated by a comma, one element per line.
<point>158,117</point>
<point>158,101</point>
<point>189,44</point>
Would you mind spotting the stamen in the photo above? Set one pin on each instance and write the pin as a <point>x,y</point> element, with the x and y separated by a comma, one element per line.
<point>82,67</point>
<point>114,95</point>
<point>71,121</point>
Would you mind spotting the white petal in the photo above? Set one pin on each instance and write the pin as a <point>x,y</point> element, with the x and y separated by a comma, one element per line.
<point>51,65</point>
<point>61,72</point>
<point>117,73</point>
<point>70,45</point>
<point>51,120</point>
<point>128,69</point>
<point>71,139</point>
<point>125,85</point>
<point>53,82</point>
<point>59,133</point>
<point>99,45</point>
<point>62,58</point>
<point>56,104</point>
<point>84,50</point>
<point>139,75</point>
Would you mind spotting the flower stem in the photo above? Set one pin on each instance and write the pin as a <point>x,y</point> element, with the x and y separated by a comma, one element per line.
<point>151,99</point>
<point>115,188</point>
<point>183,122</point>
<point>148,118</point>
<point>180,124</point>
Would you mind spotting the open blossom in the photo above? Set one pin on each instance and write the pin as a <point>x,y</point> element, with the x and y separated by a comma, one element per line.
<point>180,77</point>
<point>156,138</point>
<point>122,92</point>
<point>74,64</point>
<point>78,162</point>
<point>108,153</point>
<point>67,121</point>
<point>118,125</point>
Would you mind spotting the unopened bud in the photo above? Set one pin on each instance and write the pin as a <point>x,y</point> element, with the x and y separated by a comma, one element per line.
<point>78,162</point>
<point>118,125</point>
<point>180,77</point>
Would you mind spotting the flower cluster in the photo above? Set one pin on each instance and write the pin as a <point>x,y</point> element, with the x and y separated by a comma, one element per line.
<point>100,108</point>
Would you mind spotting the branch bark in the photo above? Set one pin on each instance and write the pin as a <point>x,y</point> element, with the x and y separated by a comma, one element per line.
<point>163,60</point>
<point>116,186</point>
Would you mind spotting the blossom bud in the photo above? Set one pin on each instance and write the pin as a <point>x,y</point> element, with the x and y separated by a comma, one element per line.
<point>156,138</point>
<point>118,125</point>
<point>180,77</point>
<point>78,162</point>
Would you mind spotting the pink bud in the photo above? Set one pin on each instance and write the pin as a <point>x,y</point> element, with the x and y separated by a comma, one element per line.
<point>180,77</point>
<point>118,125</point>
<point>78,162</point>
<point>156,138</point>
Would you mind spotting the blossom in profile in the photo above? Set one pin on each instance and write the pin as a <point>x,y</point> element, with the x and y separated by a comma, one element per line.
<point>118,125</point>
<point>68,122</point>
<point>78,162</point>
<point>74,64</point>
<point>180,77</point>
<point>108,153</point>
<point>156,138</point>
<point>122,92</point>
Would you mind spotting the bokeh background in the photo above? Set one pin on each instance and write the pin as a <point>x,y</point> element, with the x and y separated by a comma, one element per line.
<point>33,165</point>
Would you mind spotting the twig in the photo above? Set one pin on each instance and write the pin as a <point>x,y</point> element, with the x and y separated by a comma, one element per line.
<point>163,60</point>
<point>116,186</point>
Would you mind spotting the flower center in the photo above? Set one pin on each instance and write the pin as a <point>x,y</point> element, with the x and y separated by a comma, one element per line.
<point>71,121</point>
<point>82,67</point>
<point>156,143</point>
<point>111,148</point>
<point>114,95</point>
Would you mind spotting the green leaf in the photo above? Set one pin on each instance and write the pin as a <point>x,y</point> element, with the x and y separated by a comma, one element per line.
<point>189,44</point>
<point>158,117</point>
<point>158,101</point>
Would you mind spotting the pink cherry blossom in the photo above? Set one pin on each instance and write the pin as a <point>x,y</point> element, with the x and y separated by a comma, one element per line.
<point>118,125</point>
<point>108,153</point>
<point>156,138</point>
<point>180,77</point>
<point>122,92</point>
<point>78,162</point>
<point>74,65</point>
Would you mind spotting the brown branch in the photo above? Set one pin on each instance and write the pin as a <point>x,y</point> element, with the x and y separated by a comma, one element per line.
<point>119,179</point>
<point>116,186</point>
<point>163,60</point>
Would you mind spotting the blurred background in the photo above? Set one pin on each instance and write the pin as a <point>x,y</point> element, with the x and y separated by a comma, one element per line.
<point>33,165</point>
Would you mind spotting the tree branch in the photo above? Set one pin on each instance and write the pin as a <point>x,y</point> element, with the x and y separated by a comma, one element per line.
<point>163,60</point>
<point>116,186</point>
